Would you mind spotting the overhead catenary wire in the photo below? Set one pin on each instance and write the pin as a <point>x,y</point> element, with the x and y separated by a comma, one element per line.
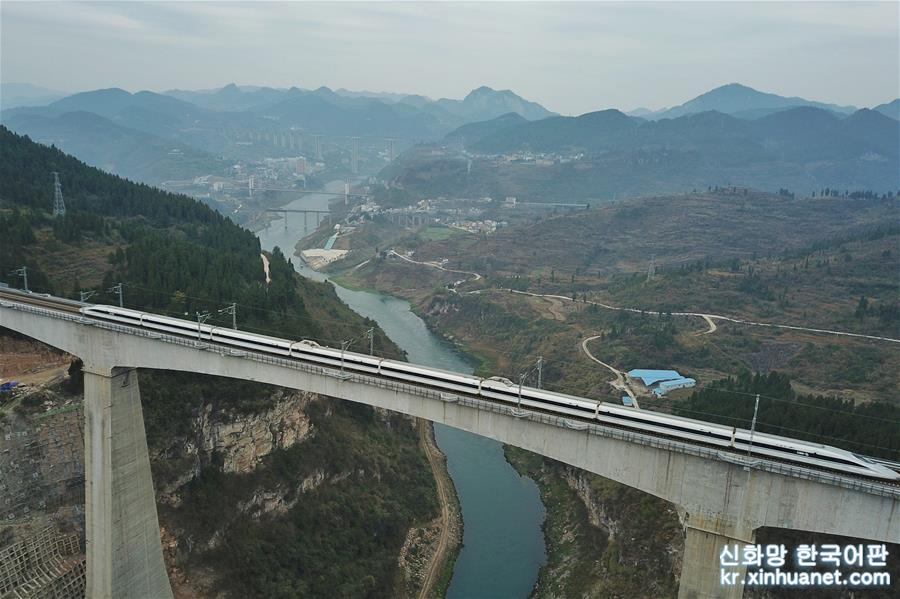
<point>710,386</point>
<point>794,430</point>
<point>332,342</point>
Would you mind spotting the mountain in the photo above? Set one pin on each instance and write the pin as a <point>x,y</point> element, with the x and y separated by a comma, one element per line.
<point>608,153</point>
<point>484,103</point>
<point>231,97</point>
<point>13,95</point>
<point>324,111</point>
<point>474,132</point>
<point>116,149</point>
<point>560,133</point>
<point>891,109</point>
<point>640,111</point>
<point>742,101</point>
<point>801,133</point>
<point>157,114</point>
<point>389,97</point>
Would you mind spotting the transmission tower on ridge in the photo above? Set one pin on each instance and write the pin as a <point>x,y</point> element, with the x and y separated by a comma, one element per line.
<point>59,206</point>
<point>652,269</point>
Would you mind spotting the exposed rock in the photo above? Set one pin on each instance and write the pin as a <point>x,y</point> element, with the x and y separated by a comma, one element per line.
<point>280,500</point>
<point>243,440</point>
<point>578,482</point>
<point>238,441</point>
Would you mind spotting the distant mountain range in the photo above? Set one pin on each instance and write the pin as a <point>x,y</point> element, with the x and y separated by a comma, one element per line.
<point>480,104</point>
<point>737,100</point>
<point>485,103</point>
<point>13,95</point>
<point>159,115</point>
<point>608,153</point>
<point>212,122</point>
<point>891,109</point>
<point>474,132</point>
<point>119,150</point>
<point>802,133</point>
<point>729,124</point>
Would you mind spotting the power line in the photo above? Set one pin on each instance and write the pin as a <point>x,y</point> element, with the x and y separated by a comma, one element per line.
<point>363,332</point>
<point>793,430</point>
<point>240,305</point>
<point>711,387</point>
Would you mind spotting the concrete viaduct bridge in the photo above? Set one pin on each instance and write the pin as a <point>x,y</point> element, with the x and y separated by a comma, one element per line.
<point>719,499</point>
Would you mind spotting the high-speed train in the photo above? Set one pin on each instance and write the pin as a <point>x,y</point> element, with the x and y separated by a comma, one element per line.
<point>502,390</point>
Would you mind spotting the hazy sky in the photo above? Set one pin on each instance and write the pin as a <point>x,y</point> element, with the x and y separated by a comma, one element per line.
<point>571,57</point>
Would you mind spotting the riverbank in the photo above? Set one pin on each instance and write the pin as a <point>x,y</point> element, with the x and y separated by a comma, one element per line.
<point>602,539</point>
<point>440,570</point>
<point>502,548</point>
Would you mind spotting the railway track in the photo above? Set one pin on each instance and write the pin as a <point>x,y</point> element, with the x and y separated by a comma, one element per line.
<point>73,307</point>
<point>41,300</point>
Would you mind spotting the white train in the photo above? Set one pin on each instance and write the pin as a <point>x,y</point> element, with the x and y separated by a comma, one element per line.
<point>502,390</point>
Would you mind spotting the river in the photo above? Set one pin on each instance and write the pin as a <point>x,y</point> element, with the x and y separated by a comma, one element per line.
<point>503,545</point>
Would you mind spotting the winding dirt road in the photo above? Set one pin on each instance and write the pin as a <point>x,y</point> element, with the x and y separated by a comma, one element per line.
<point>475,276</point>
<point>437,470</point>
<point>620,382</point>
<point>711,317</point>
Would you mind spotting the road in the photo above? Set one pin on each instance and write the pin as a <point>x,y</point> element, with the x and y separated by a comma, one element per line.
<point>620,382</point>
<point>439,473</point>
<point>711,317</point>
<point>475,276</point>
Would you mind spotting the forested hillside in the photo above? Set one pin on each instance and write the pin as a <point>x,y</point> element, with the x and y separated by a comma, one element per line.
<point>869,428</point>
<point>175,255</point>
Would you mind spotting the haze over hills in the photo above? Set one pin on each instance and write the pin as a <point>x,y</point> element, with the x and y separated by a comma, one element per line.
<point>716,137</point>
<point>891,109</point>
<point>606,154</point>
<point>116,149</point>
<point>480,104</point>
<point>230,97</point>
<point>323,110</point>
<point>13,95</point>
<point>209,121</point>
<point>148,112</point>
<point>737,100</point>
<point>486,103</point>
<point>802,133</point>
<point>473,132</point>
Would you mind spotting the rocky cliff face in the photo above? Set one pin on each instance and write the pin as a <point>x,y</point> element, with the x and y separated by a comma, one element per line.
<point>603,539</point>
<point>241,476</point>
<point>234,442</point>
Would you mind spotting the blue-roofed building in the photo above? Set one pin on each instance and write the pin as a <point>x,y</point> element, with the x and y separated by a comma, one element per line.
<point>649,377</point>
<point>661,382</point>
<point>681,383</point>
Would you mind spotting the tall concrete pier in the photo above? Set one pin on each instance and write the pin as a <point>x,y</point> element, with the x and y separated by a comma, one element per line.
<point>124,554</point>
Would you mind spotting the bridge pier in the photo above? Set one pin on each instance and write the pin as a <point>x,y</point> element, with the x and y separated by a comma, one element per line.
<point>124,554</point>
<point>701,576</point>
